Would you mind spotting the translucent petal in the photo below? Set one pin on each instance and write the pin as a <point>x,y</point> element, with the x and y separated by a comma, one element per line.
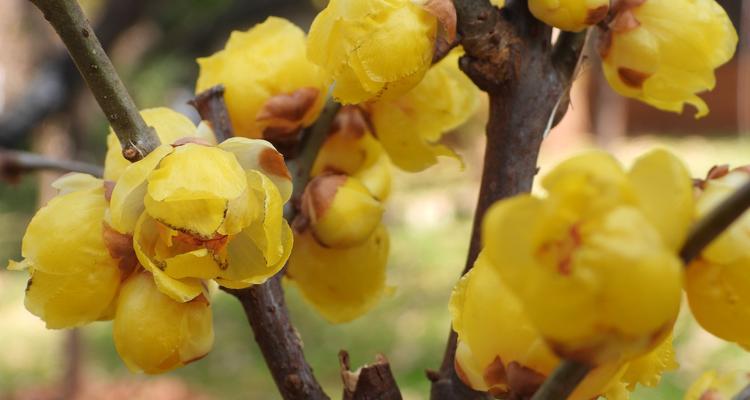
<point>260,155</point>
<point>153,333</point>
<point>74,182</point>
<point>246,265</point>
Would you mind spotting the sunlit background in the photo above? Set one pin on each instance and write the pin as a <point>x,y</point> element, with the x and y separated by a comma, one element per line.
<point>45,108</point>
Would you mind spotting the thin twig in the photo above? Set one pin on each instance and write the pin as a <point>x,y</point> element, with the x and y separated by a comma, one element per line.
<point>743,395</point>
<point>14,163</point>
<point>213,108</point>
<point>66,16</point>
<point>264,304</point>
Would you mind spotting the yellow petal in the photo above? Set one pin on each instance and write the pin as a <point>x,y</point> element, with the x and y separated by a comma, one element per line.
<point>246,264</point>
<point>342,284</point>
<point>664,190</point>
<point>569,15</point>
<point>74,182</point>
<point>74,299</point>
<point>126,204</point>
<point>647,370</point>
<point>195,264</point>
<point>153,333</point>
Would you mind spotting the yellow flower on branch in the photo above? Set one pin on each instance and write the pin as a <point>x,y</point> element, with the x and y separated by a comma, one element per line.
<point>604,241</point>
<point>718,283</point>
<point>664,52</point>
<point>569,15</point>
<point>199,212</point>
<point>500,351</point>
<point>372,48</point>
<point>410,126</point>
<point>155,334</point>
<point>74,278</point>
<point>270,86</point>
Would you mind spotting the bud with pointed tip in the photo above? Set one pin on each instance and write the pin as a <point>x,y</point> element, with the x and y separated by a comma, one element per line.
<point>340,210</point>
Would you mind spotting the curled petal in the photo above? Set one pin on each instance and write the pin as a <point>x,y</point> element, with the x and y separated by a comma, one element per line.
<point>260,155</point>
<point>246,264</point>
<point>74,182</point>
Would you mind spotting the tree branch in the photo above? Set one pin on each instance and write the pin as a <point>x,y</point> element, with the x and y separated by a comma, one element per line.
<point>264,304</point>
<point>508,55</point>
<point>14,163</point>
<point>563,381</point>
<point>66,16</point>
<point>213,109</point>
<point>743,395</point>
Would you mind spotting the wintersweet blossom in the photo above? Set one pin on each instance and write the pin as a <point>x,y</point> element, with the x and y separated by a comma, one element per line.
<point>603,240</point>
<point>270,86</point>
<point>664,52</point>
<point>718,283</point>
<point>372,48</point>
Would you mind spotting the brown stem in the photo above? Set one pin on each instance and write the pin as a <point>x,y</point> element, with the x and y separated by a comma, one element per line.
<point>13,163</point>
<point>213,109</point>
<point>137,139</point>
<point>264,304</point>
<point>743,395</point>
<point>563,380</point>
<point>499,45</point>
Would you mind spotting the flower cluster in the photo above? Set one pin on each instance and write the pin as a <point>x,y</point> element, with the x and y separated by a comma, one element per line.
<point>591,272</point>
<point>143,249</point>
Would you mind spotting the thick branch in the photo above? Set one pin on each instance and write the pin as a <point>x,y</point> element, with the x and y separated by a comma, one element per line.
<point>371,382</point>
<point>13,163</point>
<point>213,109</point>
<point>264,304</point>
<point>67,18</point>
<point>508,55</point>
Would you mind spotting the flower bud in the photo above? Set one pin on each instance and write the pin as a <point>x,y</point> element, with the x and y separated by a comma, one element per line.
<point>664,52</point>
<point>154,333</point>
<point>340,210</point>
<point>569,15</point>
<point>372,48</point>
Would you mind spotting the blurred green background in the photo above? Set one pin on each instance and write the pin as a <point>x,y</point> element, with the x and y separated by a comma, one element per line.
<point>429,214</point>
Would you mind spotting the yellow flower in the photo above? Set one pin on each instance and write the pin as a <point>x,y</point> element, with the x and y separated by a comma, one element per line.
<point>269,82</point>
<point>718,285</point>
<point>350,149</point>
<point>498,3</point>
<point>569,15</point>
<point>600,241</point>
<point>712,386</point>
<point>154,333</point>
<point>73,277</point>
<point>664,52</point>
<point>341,284</point>
<point>410,126</point>
<point>169,125</point>
<point>372,48</point>
<point>501,357</point>
<point>340,210</point>
<point>201,212</point>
